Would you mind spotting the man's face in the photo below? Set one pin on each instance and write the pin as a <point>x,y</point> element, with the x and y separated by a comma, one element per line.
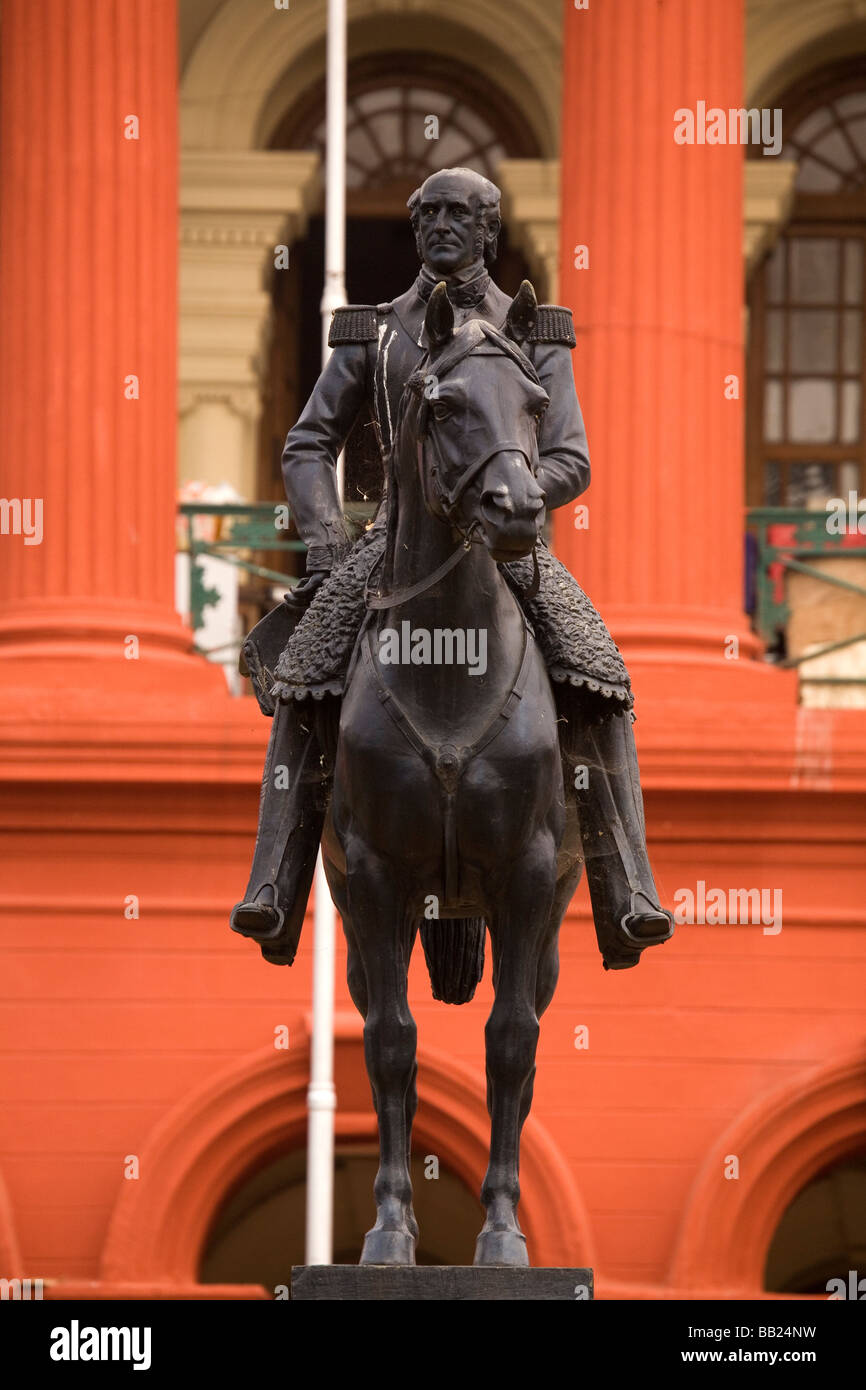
<point>448,226</point>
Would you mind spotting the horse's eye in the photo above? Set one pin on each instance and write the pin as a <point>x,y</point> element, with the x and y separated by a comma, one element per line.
<point>441,411</point>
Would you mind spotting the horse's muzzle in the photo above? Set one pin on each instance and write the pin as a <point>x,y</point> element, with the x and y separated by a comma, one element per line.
<point>511,524</point>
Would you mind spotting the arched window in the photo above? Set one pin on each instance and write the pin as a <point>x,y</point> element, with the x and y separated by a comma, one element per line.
<point>807,416</point>
<point>822,1235</point>
<point>407,116</point>
<point>259,1233</point>
<point>404,131</point>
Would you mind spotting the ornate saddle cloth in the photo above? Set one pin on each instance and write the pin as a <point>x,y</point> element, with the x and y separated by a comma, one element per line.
<point>577,648</point>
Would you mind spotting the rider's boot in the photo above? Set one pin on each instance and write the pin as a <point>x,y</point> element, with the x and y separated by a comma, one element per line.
<point>625,904</point>
<point>291,815</point>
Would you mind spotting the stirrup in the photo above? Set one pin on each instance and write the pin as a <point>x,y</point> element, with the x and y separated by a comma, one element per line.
<point>625,956</point>
<point>261,933</point>
<point>641,941</point>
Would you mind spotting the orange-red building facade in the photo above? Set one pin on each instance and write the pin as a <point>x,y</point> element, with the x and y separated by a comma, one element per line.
<point>135,1025</point>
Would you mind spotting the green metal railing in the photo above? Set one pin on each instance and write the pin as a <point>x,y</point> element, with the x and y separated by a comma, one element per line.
<point>787,540</point>
<point>243,528</point>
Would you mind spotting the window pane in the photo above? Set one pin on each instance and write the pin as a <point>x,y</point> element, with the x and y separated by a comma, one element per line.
<point>452,148</point>
<point>850,412</point>
<point>834,148</point>
<point>811,412</point>
<point>772,484</point>
<point>852,341</point>
<point>853,277</point>
<point>810,484</point>
<point>475,126</point>
<point>857,131</point>
<point>380,100</point>
<point>432,101</point>
<point>813,177</point>
<point>773,351</point>
<point>776,273</point>
<point>360,148</point>
<point>812,125</point>
<point>814,270</point>
<point>849,478</point>
<point>773,411</point>
<point>812,340</point>
<point>852,104</point>
<point>388,130</point>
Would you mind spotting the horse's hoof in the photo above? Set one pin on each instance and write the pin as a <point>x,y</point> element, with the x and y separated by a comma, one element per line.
<point>501,1248</point>
<point>388,1248</point>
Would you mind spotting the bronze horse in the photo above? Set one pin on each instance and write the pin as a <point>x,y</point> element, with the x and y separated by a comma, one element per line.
<point>448,810</point>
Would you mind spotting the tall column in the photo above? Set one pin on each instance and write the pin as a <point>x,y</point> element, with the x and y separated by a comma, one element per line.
<point>652,263</point>
<point>88,288</point>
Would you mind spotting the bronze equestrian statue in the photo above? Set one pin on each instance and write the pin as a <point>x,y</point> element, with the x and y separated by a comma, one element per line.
<point>451,718</point>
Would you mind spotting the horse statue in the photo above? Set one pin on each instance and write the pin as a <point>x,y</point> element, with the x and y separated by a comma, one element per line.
<point>448,811</point>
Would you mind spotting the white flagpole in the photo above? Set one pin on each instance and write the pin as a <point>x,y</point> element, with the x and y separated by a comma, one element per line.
<point>321,1095</point>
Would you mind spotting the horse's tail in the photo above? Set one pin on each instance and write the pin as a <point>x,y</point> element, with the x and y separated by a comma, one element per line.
<point>454,951</point>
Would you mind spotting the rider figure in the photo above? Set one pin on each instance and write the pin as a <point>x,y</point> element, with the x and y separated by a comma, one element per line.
<point>455,218</point>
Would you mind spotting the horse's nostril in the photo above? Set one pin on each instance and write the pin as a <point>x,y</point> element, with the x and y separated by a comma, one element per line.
<point>497,500</point>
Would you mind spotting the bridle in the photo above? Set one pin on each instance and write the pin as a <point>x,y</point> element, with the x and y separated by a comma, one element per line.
<point>440,502</point>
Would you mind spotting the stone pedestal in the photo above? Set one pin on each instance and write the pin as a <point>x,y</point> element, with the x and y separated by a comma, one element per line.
<point>437,1283</point>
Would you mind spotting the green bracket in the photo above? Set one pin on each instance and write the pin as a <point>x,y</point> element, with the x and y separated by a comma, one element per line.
<point>200,596</point>
<point>246,526</point>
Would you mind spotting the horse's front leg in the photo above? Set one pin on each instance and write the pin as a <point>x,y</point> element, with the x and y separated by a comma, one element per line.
<point>384,933</point>
<point>519,930</point>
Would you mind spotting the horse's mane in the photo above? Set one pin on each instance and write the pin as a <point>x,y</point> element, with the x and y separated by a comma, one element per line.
<point>465,341</point>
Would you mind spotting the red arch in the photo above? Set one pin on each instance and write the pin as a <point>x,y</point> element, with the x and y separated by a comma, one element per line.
<point>780,1142</point>
<point>208,1143</point>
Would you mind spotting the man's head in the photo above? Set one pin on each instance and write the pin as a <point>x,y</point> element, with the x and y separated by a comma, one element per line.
<point>455,217</point>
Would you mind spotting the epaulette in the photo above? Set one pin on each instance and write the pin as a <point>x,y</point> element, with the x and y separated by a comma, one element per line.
<point>353,323</point>
<point>553,324</point>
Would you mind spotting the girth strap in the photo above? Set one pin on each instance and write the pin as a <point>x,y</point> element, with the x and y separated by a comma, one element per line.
<point>448,761</point>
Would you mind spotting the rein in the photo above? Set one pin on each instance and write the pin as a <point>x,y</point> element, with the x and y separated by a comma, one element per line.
<point>444,504</point>
<point>379,601</point>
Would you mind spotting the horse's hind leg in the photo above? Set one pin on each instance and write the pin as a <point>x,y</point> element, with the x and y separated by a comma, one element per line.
<point>382,932</point>
<point>519,931</point>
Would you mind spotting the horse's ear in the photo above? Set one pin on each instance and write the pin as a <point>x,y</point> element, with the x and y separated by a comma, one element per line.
<point>522,313</point>
<point>439,319</point>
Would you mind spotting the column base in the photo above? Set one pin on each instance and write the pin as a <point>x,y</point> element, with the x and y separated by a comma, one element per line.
<point>60,644</point>
<point>678,634</point>
<point>95,627</point>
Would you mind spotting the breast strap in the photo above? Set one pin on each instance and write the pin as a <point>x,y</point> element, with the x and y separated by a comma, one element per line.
<point>447,761</point>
